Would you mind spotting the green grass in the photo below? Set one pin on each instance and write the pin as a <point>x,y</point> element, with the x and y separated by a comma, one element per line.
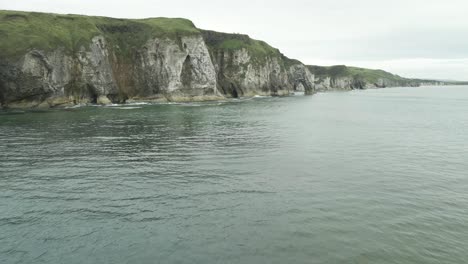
<point>22,31</point>
<point>374,75</point>
<point>170,26</point>
<point>258,50</point>
<point>255,47</point>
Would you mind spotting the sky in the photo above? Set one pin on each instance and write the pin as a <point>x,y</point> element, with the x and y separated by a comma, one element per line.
<point>411,38</point>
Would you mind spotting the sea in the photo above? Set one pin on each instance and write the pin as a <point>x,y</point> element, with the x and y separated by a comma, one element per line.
<point>365,176</point>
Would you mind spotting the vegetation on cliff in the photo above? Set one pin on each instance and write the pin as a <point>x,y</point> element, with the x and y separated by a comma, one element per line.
<point>232,42</point>
<point>339,71</point>
<point>22,31</point>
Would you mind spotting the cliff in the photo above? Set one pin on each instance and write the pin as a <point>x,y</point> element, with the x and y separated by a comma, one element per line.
<point>247,67</point>
<point>49,60</point>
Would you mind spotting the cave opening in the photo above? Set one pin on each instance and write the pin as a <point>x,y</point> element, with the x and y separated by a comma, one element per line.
<point>2,98</point>
<point>234,91</point>
<point>92,94</point>
<point>186,74</point>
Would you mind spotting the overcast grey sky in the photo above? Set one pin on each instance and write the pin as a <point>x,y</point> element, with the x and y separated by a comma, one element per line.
<point>413,38</point>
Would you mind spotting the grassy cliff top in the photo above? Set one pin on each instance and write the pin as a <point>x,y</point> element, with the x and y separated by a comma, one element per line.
<point>231,42</point>
<point>21,31</point>
<point>345,71</point>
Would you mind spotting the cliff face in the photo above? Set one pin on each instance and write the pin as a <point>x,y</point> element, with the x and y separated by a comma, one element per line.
<point>49,60</point>
<point>174,70</point>
<point>110,66</point>
<point>247,67</point>
<point>160,69</point>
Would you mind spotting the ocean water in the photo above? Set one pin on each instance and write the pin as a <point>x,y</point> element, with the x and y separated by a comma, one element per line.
<point>374,176</point>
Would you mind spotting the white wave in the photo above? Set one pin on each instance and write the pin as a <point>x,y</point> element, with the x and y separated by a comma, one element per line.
<point>128,107</point>
<point>108,138</point>
<point>138,103</point>
<point>298,93</point>
<point>190,105</point>
<point>75,106</point>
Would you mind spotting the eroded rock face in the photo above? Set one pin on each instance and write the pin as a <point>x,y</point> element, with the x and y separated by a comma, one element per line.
<point>93,72</point>
<point>239,74</point>
<point>173,69</point>
<point>56,78</point>
<point>303,80</point>
<point>33,78</point>
<point>329,83</point>
<point>163,68</point>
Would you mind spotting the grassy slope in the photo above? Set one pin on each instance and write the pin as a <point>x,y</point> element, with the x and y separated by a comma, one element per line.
<point>368,75</point>
<point>232,42</point>
<point>21,31</point>
<point>258,50</point>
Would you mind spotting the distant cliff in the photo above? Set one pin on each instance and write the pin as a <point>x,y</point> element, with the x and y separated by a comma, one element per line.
<point>341,77</point>
<point>49,60</point>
